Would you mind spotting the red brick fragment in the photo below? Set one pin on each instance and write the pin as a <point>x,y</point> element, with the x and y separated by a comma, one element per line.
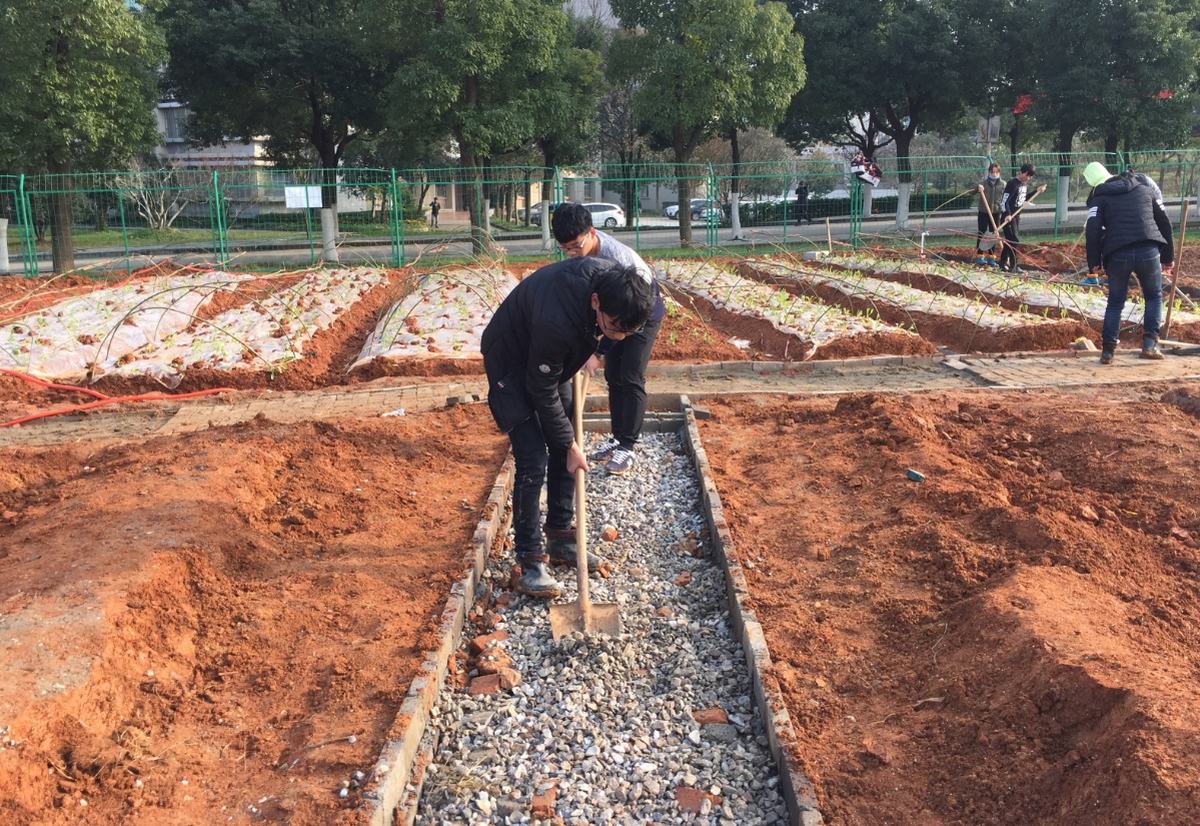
<point>509,678</point>
<point>692,800</point>
<point>684,578</point>
<point>487,684</point>
<point>704,716</point>
<point>542,804</point>
<point>485,641</point>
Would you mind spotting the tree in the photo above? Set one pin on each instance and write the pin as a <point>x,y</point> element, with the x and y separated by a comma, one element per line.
<point>303,73</point>
<point>890,68</point>
<point>466,67</point>
<point>77,87</point>
<point>691,64</point>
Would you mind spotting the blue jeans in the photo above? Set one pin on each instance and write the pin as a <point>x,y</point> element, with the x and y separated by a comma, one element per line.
<point>1141,260</point>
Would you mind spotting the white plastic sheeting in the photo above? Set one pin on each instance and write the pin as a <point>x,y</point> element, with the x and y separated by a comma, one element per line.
<point>63,341</point>
<point>814,322</point>
<point>260,335</point>
<point>443,317</point>
<point>856,285</point>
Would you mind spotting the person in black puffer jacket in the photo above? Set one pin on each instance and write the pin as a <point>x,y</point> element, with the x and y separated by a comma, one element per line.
<point>541,335</point>
<point>1128,233</point>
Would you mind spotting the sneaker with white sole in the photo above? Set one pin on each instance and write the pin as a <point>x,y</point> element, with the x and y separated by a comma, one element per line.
<point>604,451</point>
<point>621,461</point>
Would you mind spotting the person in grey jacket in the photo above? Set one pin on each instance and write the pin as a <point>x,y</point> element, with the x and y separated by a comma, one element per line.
<point>1128,233</point>
<point>991,194</point>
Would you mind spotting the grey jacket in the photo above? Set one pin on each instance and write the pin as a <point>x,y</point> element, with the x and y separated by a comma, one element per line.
<point>993,191</point>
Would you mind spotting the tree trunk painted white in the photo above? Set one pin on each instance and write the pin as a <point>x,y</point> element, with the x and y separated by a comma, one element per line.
<point>487,217</point>
<point>1064,197</point>
<point>904,190</point>
<point>4,267</point>
<point>597,190</point>
<point>451,197</point>
<point>735,217</point>
<point>868,194</point>
<point>329,251</point>
<point>545,225</point>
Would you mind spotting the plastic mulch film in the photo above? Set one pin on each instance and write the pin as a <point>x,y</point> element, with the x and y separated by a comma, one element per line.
<point>443,317</point>
<point>69,340</point>
<point>264,334</point>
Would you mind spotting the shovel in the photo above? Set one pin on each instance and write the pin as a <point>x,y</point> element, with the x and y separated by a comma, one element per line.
<point>582,615</point>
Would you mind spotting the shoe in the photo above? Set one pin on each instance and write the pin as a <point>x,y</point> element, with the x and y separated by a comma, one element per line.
<point>992,262</point>
<point>1106,356</point>
<point>604,451</point>
<point>621,461</point>
<point>535,580</point>
<point>562,549</point>
<point>981,261</point>
<point>1151,353</point>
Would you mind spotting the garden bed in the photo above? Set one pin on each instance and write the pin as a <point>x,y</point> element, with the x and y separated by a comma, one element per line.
<point>222,626</point>
<point>959,323</point>
<point>780,324</point>
<point>1013,639</point>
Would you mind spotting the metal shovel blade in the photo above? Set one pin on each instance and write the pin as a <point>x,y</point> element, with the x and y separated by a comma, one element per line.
<point>566,618</point>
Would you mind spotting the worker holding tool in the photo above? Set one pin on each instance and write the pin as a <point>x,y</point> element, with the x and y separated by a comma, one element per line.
<point>624,361</point>
<point>541,335</point>
<point>1011,204</point>
<point>1128,233</point>
<point>991,195</point>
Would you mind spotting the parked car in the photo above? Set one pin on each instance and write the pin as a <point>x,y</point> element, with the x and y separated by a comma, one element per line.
<point>604,215</point>
<point>535,212</point>
<point>670,209</point>
<point>698,205</point>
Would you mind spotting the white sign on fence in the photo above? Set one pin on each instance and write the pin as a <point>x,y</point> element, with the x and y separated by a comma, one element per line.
<point>302,197</point>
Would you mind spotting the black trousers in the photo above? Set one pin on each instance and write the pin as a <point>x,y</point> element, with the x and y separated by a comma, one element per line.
<point>537,465</point>
<point>1008,258</point>
<point>984,225</point>
<point>625,372</point>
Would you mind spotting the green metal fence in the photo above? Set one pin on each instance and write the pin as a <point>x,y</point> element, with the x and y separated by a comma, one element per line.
<point>271,218</point>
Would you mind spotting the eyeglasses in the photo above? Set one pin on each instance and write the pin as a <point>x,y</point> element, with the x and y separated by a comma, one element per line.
<point>572,246</point>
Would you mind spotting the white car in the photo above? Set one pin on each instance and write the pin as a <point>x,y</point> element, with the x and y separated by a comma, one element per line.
<point>608,216</point>
<point>698,205</point>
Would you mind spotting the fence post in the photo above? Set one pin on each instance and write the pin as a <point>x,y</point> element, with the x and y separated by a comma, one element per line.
<point>217,220</point>
<point>558,199</point>
<point>924,202</point>
<point>856,208</point>
<point>124,231</point>
<point>25,228</point>
<point>397,223</point>
<point>710,218</point>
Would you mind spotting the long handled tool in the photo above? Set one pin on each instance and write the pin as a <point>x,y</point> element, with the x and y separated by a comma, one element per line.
<point>1166,329</point>
<point>582,615</point>
<point>993,240</point>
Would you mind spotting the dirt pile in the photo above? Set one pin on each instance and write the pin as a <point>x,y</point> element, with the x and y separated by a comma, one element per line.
<point>1015,639</point>
<point>191,627</point>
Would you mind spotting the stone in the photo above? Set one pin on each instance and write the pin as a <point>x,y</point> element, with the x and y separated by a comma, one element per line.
<point>1082,343</point>
<point>692,800</point>
<point>664,612</point>
<point>542,804</point>
<point>704,716</point>
<point>485,641</point>
<point>510,678</point>
<point>721,732</point>
<point>485,684</point>
<point>609,533</point>
<point>1089,513</point>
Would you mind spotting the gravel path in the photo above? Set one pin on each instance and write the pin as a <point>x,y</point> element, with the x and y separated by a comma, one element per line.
<point>605,730</point>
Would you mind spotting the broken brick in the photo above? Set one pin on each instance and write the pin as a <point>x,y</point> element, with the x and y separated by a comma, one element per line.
<point>486,684</point>
<point>704,716</point>
<point>485,641</point>
<point>684,578</point>
<point>493,661</point>
<point>664,612</point>
<point>542,804</point>
<point>692,800</point>
<point>510,678</point>
<point>609,534</point>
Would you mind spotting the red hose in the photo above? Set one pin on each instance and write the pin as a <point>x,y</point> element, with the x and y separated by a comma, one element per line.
<point>144,397</point>
<point>49,385</point>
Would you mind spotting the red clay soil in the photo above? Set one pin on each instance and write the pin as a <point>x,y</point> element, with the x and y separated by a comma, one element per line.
<point>960,335</point>
<point>1014,640</point>
<point>183,618</point>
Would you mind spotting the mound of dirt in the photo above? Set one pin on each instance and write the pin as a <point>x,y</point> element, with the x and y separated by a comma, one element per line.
<point>194,626</point>
<point>1015,639</point>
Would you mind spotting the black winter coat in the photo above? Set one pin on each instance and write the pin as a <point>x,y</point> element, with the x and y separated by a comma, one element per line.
<point>1124,211</point>
<point>540,336</point>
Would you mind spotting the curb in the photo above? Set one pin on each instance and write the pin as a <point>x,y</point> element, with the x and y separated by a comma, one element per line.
<point>400,769</point>
<point>798,792</point>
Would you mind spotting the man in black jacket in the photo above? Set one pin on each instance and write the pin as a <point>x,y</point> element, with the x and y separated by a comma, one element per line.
<point>1128,233</point>
<point>1011,203</point>
<point>541,335</point>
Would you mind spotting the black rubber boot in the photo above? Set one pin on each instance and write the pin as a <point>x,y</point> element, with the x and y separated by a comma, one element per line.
<point>561,546</point>
<point>535,580</point>
<point>1106,355</point>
